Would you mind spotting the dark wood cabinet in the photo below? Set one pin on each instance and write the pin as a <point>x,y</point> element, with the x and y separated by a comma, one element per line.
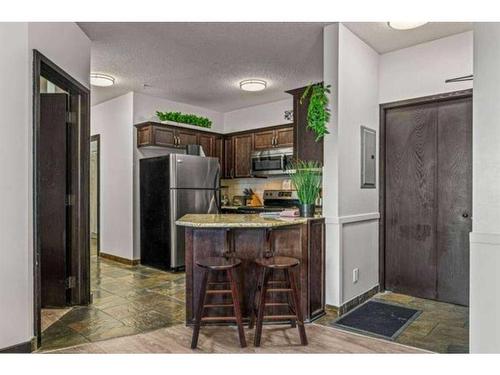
<point>218,152</point>
<point>186,137</point>
<point>233,150</point>
<point>228,167</point>
<point>284,137</point>
<point>157,134</point>
<point>207,142</point>
<point>264,140</point>
<point>305,146</point>
<point>267,139</point>
<point>242,155</point>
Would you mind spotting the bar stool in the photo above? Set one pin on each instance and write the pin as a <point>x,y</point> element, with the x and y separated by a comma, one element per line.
<point>214,265</point>
<point>288,286</point>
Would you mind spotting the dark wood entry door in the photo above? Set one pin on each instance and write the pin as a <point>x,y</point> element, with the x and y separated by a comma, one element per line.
<point>428,199</point>
<point>53,168</point>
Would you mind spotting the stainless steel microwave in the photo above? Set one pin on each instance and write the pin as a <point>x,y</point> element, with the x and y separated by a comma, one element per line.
<point>271,162</point>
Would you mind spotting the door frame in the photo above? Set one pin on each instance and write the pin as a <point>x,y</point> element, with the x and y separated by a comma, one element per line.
<point>79,228</point>
<point>382,152</point>
<point>97,138</point>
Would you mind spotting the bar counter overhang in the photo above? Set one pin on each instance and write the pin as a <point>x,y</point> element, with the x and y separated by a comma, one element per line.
<point>249,237</point>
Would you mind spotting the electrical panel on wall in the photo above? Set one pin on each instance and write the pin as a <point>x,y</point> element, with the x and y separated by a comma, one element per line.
<point>368,158</point>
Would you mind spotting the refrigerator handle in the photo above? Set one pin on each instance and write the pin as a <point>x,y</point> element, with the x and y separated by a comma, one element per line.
<point>216,189</point>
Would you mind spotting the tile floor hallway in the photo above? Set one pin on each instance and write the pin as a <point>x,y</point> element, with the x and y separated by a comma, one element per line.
<point>126,300</point>
<point>129,300</point>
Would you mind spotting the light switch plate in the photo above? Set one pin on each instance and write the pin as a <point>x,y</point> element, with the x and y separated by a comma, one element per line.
<point>355,275</point>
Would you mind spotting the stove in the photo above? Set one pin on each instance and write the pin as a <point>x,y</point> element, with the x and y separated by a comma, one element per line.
<point>274,201</point>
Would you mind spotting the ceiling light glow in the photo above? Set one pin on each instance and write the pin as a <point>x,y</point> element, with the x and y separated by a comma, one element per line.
<point>405,25</point>
<point>253,85</point>
<point>101,80</point>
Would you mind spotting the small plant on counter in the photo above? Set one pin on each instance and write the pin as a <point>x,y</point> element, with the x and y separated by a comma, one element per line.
<point>318,113</point>
<point>184,118</point>
<point>306,177</point>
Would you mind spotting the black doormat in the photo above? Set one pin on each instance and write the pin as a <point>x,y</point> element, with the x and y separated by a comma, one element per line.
<point>378,319</point>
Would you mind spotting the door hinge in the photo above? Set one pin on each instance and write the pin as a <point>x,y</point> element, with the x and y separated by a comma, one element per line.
<point>71,118</point>
<point>70,200</point>
<point>70,282</point>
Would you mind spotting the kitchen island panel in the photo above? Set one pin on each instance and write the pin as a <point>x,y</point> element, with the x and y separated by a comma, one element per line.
<point>298,240</point>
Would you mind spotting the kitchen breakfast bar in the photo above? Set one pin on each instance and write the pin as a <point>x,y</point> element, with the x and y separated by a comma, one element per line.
<point>248,238</point>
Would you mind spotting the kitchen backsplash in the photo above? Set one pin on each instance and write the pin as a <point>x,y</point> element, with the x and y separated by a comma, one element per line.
<point>258,185</point>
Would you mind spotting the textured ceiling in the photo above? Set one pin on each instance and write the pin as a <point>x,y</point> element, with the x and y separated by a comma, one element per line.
<point>384,39</point>
<point>202,63</point>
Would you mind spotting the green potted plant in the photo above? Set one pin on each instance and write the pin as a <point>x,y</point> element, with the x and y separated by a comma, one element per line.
<point>306,177</point>
<point>318,113</point>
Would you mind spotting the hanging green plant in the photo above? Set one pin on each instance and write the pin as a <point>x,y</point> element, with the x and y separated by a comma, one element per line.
<point>184,118</point>
<point>318,113</point>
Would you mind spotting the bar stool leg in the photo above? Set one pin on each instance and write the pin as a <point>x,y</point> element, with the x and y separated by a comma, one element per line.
<point>262,305</point>
<point>254,302</point>
<point>199,311</point>
<point>237,309</point>
<point>298,310</point>
<point>291,305</point>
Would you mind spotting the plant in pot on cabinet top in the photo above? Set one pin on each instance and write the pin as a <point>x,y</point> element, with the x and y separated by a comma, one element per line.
<point>184,119</point>
<point>306,178</point>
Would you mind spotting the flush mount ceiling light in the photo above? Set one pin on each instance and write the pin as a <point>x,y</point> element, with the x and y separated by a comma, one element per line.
<point>405,25</point>
<point>101,80</point>
<point>253,85</point>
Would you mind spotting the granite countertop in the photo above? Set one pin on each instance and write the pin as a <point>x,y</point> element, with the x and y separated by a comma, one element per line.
<point>236,221</point>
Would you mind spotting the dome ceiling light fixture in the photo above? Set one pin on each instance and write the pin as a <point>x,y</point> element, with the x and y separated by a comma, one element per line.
<point>405,25</point>
<point>101,80</point>
<point>253,84</point>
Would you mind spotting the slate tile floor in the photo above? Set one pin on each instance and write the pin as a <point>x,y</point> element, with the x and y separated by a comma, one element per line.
<point>126,300</point>
<point>441,328</point>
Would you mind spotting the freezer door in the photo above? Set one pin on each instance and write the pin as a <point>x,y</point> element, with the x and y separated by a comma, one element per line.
<point>187,201</point>
<point>194,172</point>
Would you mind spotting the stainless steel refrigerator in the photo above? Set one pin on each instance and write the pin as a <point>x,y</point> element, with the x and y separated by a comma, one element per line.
<point>170,187</point>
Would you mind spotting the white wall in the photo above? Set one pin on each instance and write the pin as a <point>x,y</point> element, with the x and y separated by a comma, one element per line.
<point>67,46</point>
<point>485,238</point>
<point>258,116</point>
<point>113,121</point>
<point>351,212</point>
<point>16,321</point>
<point>421,70</point>
<point>330,168</point>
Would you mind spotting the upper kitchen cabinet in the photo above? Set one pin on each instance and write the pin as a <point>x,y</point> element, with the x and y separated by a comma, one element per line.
<point>305,146</point>
<point>207,142</point>
<point>157,134</point>
<point>279,137</point>
<point>228,158</point>
<point>186,137</point>
<point>242,154</point>
<point>153,135</point>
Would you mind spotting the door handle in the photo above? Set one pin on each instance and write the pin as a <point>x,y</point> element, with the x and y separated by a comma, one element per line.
<point>465,215</point>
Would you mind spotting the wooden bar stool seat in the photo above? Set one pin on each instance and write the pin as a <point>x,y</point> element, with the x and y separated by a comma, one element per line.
<point>214,265</point>
<point>287,286</point>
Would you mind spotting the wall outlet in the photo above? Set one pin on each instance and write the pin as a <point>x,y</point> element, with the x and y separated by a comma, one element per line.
<point>355,275</point>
